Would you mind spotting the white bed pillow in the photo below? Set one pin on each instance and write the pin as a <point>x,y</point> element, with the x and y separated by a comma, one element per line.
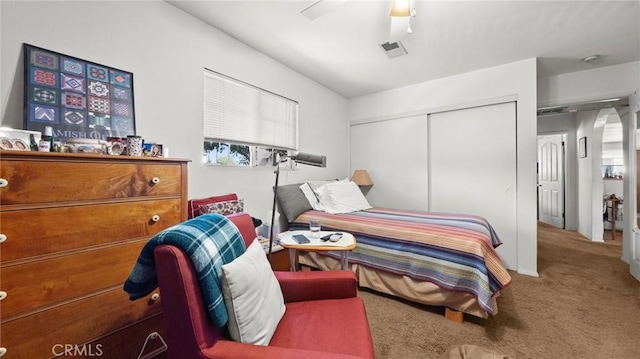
<point>318,186</point>
<point>311,197</point>
<point>343,197</point>
<point>253,297</point>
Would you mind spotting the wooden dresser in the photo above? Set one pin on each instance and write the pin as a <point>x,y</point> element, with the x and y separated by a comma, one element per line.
<point>71,229</point>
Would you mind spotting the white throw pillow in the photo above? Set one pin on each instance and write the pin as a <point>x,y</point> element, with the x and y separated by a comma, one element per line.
<point>311,197</point>
<point>253,297</point>
<point>343,197</point>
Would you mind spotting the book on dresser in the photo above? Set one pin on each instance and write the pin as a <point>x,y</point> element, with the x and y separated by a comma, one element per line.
<point>71,228</point>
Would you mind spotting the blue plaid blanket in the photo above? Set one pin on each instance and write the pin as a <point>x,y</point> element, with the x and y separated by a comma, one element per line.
<point>210,240</point>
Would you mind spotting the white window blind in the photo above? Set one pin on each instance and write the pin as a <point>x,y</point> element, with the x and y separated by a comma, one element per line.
<point>241,113</point>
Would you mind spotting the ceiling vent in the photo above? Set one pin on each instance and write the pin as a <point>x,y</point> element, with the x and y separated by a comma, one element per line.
<point>393,49</point>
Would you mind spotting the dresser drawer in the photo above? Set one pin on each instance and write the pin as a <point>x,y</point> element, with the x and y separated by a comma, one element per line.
<point>44,231</point>
<point>75,323</point>
<point>31,182</point>
<point>32,285</point>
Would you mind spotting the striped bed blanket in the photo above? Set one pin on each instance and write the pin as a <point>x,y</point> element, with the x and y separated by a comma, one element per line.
<point>453,251</point>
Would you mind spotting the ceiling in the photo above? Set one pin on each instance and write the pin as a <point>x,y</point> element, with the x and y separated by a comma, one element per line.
<point>341,48</point>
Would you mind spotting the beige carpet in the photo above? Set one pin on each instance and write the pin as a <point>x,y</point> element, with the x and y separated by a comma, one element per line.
<point>585,304</point>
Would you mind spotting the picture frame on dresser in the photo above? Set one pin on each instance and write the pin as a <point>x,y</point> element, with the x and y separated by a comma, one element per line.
<point>152,149</point>
<point>76,97</point>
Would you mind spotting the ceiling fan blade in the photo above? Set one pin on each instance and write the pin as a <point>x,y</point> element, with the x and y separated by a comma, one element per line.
<point>320,8</point>
<point>399,26</point>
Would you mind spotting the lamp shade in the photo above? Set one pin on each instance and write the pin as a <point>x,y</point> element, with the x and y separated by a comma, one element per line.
<point>361,178</point>
<point>401,8</point>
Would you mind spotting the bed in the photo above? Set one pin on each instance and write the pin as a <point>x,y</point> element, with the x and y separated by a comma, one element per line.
<point>437,259</point>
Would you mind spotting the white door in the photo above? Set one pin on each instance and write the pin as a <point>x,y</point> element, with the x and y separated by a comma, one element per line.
<point>551,180</point>
<point>472,168</point>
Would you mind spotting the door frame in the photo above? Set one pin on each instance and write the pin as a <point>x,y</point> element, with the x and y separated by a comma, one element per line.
<point>631,238</point>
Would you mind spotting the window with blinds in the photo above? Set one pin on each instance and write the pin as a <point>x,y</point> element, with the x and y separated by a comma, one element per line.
<point>245,125</point>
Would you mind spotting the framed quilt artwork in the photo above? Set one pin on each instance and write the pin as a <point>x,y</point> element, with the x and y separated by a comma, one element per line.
<point>77,98</point>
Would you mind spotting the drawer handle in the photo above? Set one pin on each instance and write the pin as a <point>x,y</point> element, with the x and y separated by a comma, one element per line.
<point>3,237</point>
<point>3,182</point>
<point>3,294</point>
<point>155,296</point>
<point>155,218</point>
<point>155,180</point>
<point>3,351</point>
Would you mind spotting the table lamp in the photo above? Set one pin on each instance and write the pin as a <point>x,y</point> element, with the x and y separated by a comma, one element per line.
<point>361,178</point>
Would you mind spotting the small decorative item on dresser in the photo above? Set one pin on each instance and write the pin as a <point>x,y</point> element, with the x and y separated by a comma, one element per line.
<point>85,145</point>
<point>20,145</point>
<point>47,136</point>
<point>33,144</point>
<point>45,146</point>
<point>17,144</point>
<point>134,146</point>
<point>6,143</point>
<point>19,140</point>
<point>116,146</point>
<point>152,149</point>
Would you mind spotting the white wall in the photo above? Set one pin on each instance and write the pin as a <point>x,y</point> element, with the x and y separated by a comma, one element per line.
<point>167,50</point>
<point>517,81</point>
<point>584,86</point>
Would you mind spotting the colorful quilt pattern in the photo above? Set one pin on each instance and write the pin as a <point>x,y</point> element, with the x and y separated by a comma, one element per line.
<point>74,117</point>
<point>100,105</point>
<point>73,66</point>
<point>44,95</point>
<point>44,114</point>
<point>76,97</point>
<point>73,100</point>
<point>452,250</point>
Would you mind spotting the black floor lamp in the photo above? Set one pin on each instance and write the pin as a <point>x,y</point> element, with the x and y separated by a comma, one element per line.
<point>300,158</point>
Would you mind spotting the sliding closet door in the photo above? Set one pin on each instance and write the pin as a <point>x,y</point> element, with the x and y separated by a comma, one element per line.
<point>472,168</point>
<point>394,152</point>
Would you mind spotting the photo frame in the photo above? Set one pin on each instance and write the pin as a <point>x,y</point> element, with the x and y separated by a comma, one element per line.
<point>582,147</point>
<point>76,97</point>
<point>152,149</point>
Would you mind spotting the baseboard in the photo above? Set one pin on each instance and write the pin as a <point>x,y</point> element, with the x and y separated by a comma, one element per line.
<point>529,273</point>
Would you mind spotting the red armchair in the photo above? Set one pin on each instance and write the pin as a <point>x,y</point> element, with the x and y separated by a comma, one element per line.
<point>324,318</point>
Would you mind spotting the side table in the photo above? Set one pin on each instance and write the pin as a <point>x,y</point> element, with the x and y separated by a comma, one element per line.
<point>344,245</point>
